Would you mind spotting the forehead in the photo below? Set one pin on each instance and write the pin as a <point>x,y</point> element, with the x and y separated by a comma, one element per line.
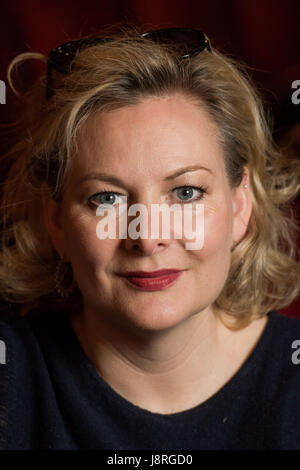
<point>159,134</point>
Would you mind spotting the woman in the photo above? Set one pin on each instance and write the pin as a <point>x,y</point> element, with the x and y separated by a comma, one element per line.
<point>134,341</point>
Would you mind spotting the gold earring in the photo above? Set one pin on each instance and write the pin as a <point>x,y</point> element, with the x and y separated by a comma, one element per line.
<point>63,279</point>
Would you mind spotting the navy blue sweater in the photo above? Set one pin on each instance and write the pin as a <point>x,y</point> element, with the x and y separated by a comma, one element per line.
<point>52,397</point>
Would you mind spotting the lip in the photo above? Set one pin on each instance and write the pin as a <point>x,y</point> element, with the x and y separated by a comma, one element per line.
<point>154,280</point>
<point>150,274</point>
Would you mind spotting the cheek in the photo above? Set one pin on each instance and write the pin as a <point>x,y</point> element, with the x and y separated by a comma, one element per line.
<point>212,263</point>
<point>85,249</point>
<point>217,231</point>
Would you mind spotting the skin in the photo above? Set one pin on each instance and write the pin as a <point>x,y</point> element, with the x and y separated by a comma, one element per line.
<point>165,351</point>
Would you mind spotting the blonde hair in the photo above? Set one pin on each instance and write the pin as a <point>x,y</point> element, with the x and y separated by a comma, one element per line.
<point>264,273</point>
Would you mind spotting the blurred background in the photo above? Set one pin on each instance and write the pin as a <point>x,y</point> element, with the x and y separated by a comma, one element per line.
<point>264,34</point>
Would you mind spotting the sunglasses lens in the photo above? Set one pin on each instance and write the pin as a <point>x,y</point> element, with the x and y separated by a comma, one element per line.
<point>61,57</point>
<point>186,41</point>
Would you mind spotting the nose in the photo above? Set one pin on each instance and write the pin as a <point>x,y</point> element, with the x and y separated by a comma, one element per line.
<point>145,234</point>
<point>145,247</point>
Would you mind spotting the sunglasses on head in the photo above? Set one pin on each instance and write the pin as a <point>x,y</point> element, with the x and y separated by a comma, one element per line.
<point>188,41</point>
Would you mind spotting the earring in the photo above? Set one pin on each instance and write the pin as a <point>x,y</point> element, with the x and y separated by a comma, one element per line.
<point>245,186</point>
<point>64,272</point>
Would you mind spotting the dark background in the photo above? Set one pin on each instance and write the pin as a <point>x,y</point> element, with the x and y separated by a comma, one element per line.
<point>262,33</point>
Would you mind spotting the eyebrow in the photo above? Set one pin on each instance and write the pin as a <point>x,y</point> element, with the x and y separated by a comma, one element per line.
<point>115,180</point>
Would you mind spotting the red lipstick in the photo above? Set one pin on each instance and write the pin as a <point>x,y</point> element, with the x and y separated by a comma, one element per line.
<point>152,280</point>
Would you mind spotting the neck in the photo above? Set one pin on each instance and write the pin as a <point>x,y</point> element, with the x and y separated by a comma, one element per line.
<point>162,371</point>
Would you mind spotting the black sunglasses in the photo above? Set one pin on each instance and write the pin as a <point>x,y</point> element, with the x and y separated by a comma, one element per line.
<point>188,41</point>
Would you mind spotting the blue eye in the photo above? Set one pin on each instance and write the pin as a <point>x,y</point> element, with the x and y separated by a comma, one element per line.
<point>106,197</point>
<point>186,193</point>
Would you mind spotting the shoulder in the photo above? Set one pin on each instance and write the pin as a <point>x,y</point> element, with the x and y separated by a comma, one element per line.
<point>288,321</point>
<point>282,378</point>
<point>12,324</point>
<point>27,343</point>
<point>24,335</point>
<point>282,361</point>
<point>15,329</point>
<point>21,347</point>
<point>19,355</point>
<point>285,331</point>
<point>273,364</point>
<point>282,343</point>
<point>284,352</point>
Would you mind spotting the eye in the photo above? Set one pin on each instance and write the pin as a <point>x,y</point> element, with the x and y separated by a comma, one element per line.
<point>187,193</point>
<point>106,197</point>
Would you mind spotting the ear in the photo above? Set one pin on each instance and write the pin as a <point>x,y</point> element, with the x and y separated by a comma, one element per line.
<point>242,208</point>
<point>52,214</point>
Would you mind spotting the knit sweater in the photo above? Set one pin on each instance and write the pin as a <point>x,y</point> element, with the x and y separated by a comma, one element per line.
<point>52,397</point>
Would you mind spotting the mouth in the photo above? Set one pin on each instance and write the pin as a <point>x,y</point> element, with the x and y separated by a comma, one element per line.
<point>152,280</point>
<point>159,273</point>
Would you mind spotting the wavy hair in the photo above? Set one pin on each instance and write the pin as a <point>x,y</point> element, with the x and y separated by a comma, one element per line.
<point>264,272</point>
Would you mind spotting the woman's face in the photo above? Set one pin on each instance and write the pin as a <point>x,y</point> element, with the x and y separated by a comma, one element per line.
<point>141,145</point>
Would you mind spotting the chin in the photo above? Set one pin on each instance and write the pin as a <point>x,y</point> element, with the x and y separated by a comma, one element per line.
<point>156,317</point>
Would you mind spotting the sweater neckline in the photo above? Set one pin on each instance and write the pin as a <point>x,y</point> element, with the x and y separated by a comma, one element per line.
<point>212,401</point>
